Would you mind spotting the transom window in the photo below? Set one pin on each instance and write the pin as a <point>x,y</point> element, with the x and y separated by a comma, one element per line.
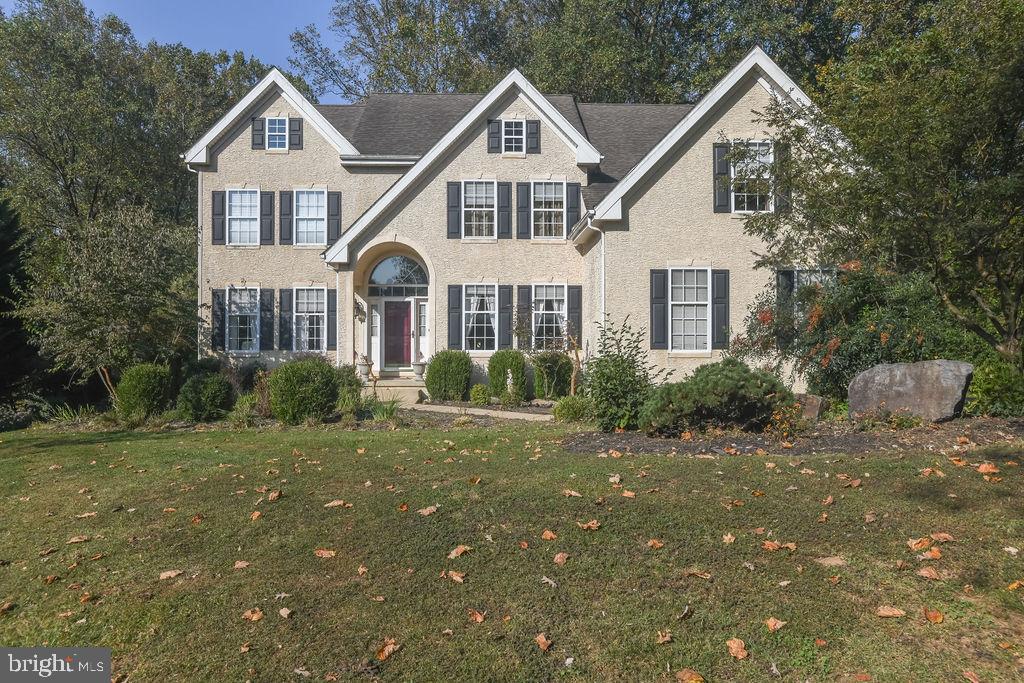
<point>513,136</point>
<point>479,209</point>
<point>690,309</point>
<point>549,210</point>
<point>310,319</point>
<point>751,178</point>
<point>548,316</point>
<point>310,217</point>
<point>277,133</point>
<point>243,216</point>
<point>243,320</point>
<point>398,276</point>
<point>479,312</point>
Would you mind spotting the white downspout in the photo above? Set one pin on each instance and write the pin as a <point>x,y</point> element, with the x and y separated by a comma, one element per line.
<point>337,319</point>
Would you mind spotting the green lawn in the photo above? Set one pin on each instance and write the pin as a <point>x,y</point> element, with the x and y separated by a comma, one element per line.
<point>183,501</point>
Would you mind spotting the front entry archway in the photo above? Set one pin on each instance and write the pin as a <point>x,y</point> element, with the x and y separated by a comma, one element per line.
<point>397,296</point>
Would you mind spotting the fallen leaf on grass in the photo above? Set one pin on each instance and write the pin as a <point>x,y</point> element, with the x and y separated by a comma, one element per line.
<point>942,537</point>
<point>255,515</point>
<point>274,495</point>
<point>77,539</point>
<point>85,514</point>
<point>457,577</point>
<point>664,637</point>
<point>339,503</point>
<point>971,676</point>
<point>458,551</point>
<point>698,573</point>
<point>6,607</point>
<point>928,573</point>
<point>728,539</point>
<point>772,546</point>
<point>241,564</point>
<point>476,617</point>
<point>286,613</point>
<point>362,570</point>
<point>932,553</point>
<point>774,624</point>
<point>561,558</point>
<point>170,574</point>
<point>427,511</point>
<point>987,468</point>
<point>870,517</point>
<point>589,526</point>
<point>737,648</point>
<point>548,581</point>
<point>833,561</point>
<point>324,553</point>
<point>828,501</point>
<point>254,614</point>
<point>389,648</point>
<point>549,535</point>
<point>655,544</point>
<point>245,647</point>
<point>569,493</point>
<point>688,676</point>
<point>889,612</point>
<point>933,615</point>
<point>542,642</point>
<point>916,544</point>
<point>629,494</point>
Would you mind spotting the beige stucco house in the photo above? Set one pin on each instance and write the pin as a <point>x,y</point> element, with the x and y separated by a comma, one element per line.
<point>403,224</point>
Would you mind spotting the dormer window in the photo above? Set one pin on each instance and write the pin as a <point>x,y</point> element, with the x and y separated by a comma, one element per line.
<point>277,133</point>
<point>513,137</point>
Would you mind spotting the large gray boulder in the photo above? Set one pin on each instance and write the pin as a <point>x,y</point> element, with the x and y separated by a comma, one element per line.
<point>933,390</point>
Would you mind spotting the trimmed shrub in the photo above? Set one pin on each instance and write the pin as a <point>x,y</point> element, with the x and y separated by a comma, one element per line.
<point>574,409</point>
<point>350,388</point>
<point>301,390</point>
<point>480,395</point>
<point>448,374</point>
<point>500,364</point>
<point>205,397</point>
<point>552,374</point>
<point>243,375</point>
<point>997,389</point>
<point>724,394</point>
<point>244,414</point>
<point>620,377</point>
<point>142,392</point>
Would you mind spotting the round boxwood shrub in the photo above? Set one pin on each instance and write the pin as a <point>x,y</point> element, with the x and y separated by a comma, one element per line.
<point>480,395</point>
<point>552,374</point>
<point>574,409</point>
<point>500,365</point>
<point>142,392</point>
<point>205,397</point>
<point>724,394</point>
<point>305,389</point>
<point>448,374</point>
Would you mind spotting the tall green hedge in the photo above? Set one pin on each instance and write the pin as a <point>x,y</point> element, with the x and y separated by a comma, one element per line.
<point>142,392</point>
<point>448,374</point>
<point>500,365</point>
<point>305,389</point>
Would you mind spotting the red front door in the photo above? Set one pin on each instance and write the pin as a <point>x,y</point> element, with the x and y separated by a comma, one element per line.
<point>397,333</point>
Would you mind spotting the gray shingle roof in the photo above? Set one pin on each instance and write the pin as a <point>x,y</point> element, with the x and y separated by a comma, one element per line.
<point>410,124</point>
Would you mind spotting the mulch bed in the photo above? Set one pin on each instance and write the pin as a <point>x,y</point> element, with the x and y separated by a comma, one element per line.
<point>823,438</point>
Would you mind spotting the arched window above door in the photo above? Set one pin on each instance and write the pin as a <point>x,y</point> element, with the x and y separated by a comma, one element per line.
<point>398,276</point>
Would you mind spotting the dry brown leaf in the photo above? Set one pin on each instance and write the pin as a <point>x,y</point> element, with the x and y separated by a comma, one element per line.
<point>889,612</point>
<point>286,613</point>
<point>629,494</point>
<point>987,468</point>
<point>361,451</point>
<point>389,648</point>
<point>698,573</point>
<point>245,647</point>
<point>828,500</point>
<point>928,573</point>
<point>254,614</point>
<point>569,493</point>
<point>476,617</point>
<point>339,503</point>
<point>728,539</point>
<point>324,553</point>
<point>870,517</point>
<point>941,537</point>
<point>933,615</point>
<point>971,676</point>
<point>589,526</point>
<point>561,558</point>
<point>833,561</point>
<point>274,495</point>
<point>458,551</point>
<point>542,642</point>
<point>774,624</point>
<point>77,539</point>
<point>932,553</point>
<point>655,544</point>
<point>916,544</point>
<point>737,648</point>
<point>549,535</point>
<point>664,637</point>
<point>427,511</point>
<point>688,676</point>
<point>170,574</point>
<point>457,577</point>
<point>240,564</point>
<point>256,514</point>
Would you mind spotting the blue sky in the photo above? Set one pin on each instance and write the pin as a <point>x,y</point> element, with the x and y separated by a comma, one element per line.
<point>257,27</point>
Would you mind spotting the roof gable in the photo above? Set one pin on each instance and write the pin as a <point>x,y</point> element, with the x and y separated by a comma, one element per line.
<point>199,153</point>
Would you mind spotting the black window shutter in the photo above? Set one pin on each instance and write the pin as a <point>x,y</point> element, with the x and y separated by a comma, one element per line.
<point>266,217</point>
<point>722,185</point>
<point>493,137</point>
<point>217,316</point>
<point>719,309</point>
<point>780,176</point>
<point>523,211</point>
<point>286,216</point>
<point>259,127</point>
<point>266,320</point>
<point>454,316</point>
<point>504,316</point>
<point>575,313</point>
<point>294,133</point>
<point>454,204</point>
<point>217,229</point>
<point>659,308</point>
<point>332,319</point>
<point>572,205</point>
<point>504,210</point>
<point>524,315</point>
<point>333,217</point>
<point>533,137</point>
<point>284,320</point>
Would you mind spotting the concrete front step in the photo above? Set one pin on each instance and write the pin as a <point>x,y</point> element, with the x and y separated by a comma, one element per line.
<point>407,390</point>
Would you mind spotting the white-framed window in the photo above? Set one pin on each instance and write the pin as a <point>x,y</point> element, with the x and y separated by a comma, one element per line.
<point>243,320</point>
<point>479,208</point>
<point>690,309</point>
<point>277,133</point>
<point>310,217</point>
<point>751,178</point>
<point>421,319</point>
<point>309,319</point>
<point>480,317</point>
<point>548,209</point>
<point>549,312</point>
<point>513,136</point>
<point>243,217</point>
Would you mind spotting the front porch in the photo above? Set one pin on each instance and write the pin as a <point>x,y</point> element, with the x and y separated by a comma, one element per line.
<point>408,390</point>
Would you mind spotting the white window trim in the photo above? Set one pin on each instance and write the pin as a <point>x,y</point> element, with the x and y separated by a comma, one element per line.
<point>463,209</point>
<point>506,152</point>
<point>227,215</point>
<point>696,353</point>
<point>533,311</point>
<point>227,321</point>
<point>295,216</point>
<point>732,178</point>
<point>295,327</point>
<point>497,318</point>
<point>266,132</point>
<point>565,211</point>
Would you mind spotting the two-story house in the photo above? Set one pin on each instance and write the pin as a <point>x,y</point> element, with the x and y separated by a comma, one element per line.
<point>403,224</point>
